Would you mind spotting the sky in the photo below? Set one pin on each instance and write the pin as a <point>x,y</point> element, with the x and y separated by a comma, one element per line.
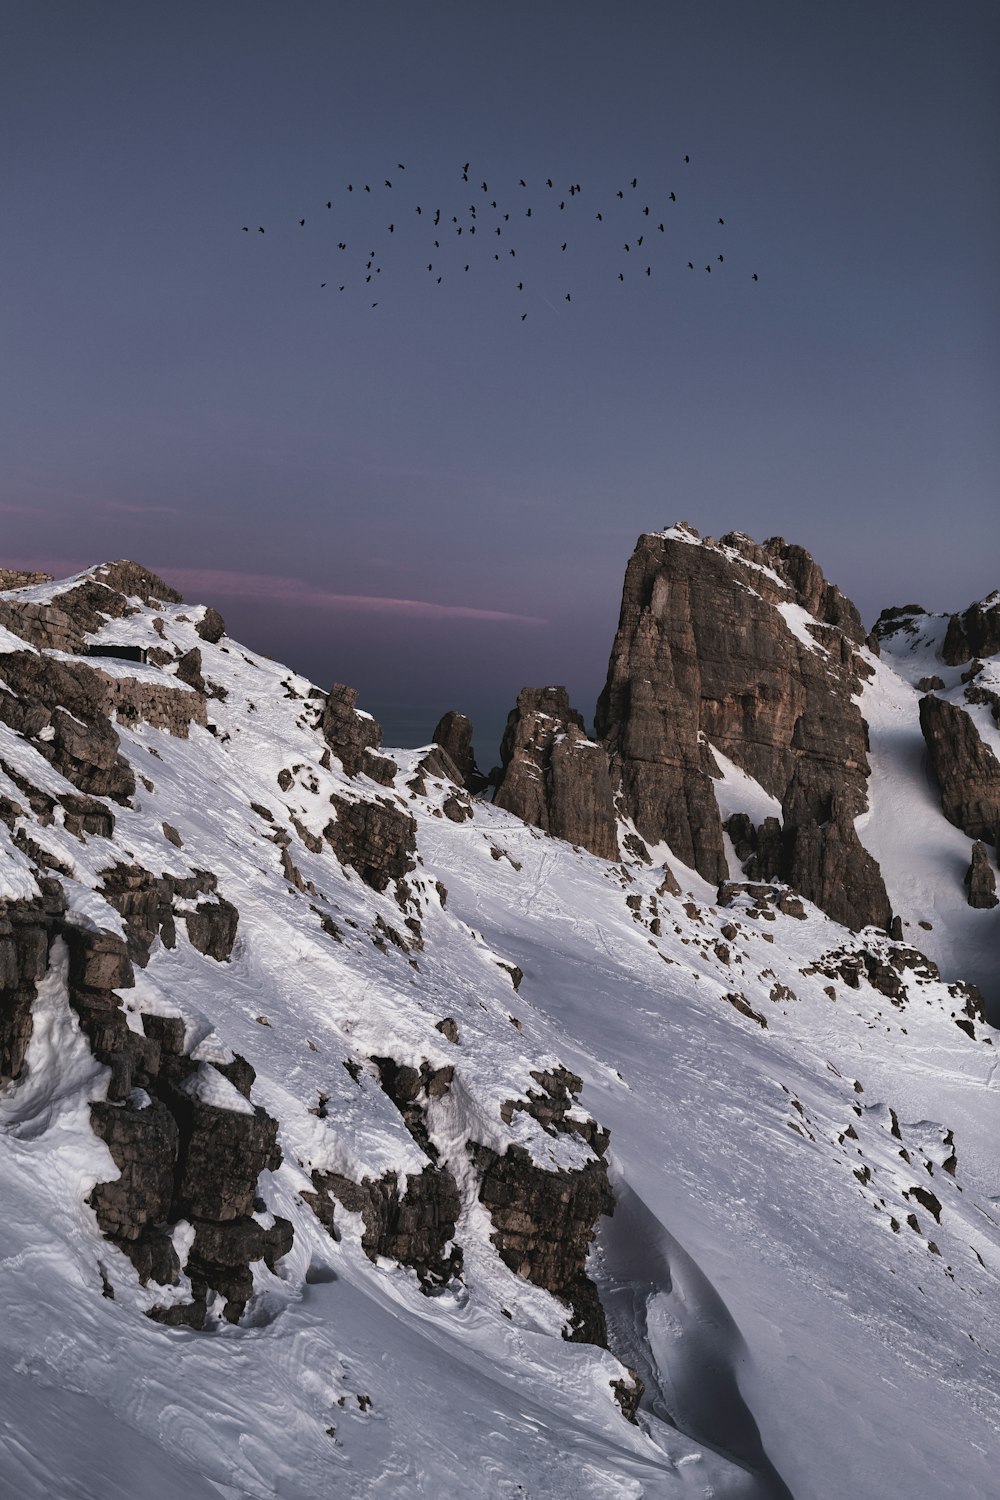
<point>434,499</point>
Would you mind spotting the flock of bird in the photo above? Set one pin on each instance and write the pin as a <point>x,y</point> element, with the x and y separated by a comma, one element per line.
<point>497,228</point>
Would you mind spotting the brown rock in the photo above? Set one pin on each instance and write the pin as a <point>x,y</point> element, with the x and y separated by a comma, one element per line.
<point>703,655</point>
<point>967,771</point>
<point>222,1154</point>
<point>143,1144</point>
<point>543,1226</point>
<point>554,777</point>
<point>453,733</point>
<point>975,632</point>
<point>348,732</point>
<point>211,627</point>
<point>377,838</point>
<point>980,880</point>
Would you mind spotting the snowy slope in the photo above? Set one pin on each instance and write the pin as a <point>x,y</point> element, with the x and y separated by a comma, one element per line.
<point>759,1273</point>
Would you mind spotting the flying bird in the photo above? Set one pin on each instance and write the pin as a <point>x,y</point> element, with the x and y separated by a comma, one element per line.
<point>564,245</point>
<point>548,182</point>
<point>260,229</point>
<point>388,183</point>
<point>329,205</point>
<point>523,183</point>
<point>600,218</point>
<point>302,223</point>
<point>568,297</point>
<point>754,277</point>
<point>722,221</point>
<point>634,181</point>
<point>673,197</point>
<point>687,158</point>
<point>246,229</point>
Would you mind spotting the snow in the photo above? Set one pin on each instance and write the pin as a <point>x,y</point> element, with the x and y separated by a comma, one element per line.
<point>751,1273</point>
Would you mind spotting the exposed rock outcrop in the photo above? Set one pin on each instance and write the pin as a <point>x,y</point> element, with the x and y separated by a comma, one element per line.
<point>64,621</point>
<point>967,771</point>
<point>354,736</point>
<point>543,1226</point>
<point>27,928</point>
<point>980,881</point>
<point>554,776</point>
<point>712,648</point>
<point>414,1228</point>
<point>974,632</point>
<point>376,838</point>
<point>453,733</point>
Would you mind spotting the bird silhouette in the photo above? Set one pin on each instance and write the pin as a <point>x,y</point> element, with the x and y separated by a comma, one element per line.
<point>260,229</point>
<point>568,297</point>
<point>722,221</point>
<point>709,270</point>
<point>322,284</point>
<point>246,228</point>
<point>520,286</point>
<point>329,205</point>
<point>392,229</point>
<point>620,193</point>
<point>634,181</point>
<point>687,158</point>
<point>367,188</point>
<point>564,245</point>
<point>649,270</point>
<point>690,265</point>
<point>628,247</point>
<point>646,212</point>
<point>399,164</point>
<point>754,277</point>
<point>302,223</point>
<point>720,258</point>
<point>388,183</point>
<point>523,316</point>
<point>621,275</point>
<point>523,183</point>
<point>660,228</point>
<point>548,182</point>
<point>673,197</point>
<point>600,218</point>
<point>528,214</point>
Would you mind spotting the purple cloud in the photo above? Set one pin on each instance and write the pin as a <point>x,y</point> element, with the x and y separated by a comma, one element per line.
<point>205,584</point>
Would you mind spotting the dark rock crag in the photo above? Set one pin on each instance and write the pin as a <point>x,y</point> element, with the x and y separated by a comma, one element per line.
<point>453,735</point>
<point>178,1156</point>
<point>354,737</point>
<point>703,655</point>
<point>967,771</point>
<point>554,776</point>
<point>980,881</point>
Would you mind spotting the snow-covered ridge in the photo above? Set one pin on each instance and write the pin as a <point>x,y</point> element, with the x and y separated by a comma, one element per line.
<point>799,1121</point>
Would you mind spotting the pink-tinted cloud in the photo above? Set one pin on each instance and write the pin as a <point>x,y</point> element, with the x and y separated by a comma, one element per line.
<point>208,584</point>
<point>20,510</point>
<point>121,508</point>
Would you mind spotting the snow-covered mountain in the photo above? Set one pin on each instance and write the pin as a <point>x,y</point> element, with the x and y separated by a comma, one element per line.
<point>621,1127</point>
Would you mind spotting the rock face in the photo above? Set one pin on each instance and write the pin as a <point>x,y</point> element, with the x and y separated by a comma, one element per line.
<point>980,880</point>
<point>377,838</point>
<point>353,736</point>
<point>453,733</point>
<point>64,621</point>
<point>712,648</point>
<point>26,931</point>
<point>555,777</point>
<point>975,632</point>
<point>967,771</point>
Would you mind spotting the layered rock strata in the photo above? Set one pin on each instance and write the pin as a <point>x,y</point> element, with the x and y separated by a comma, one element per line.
<point>749,649</point>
